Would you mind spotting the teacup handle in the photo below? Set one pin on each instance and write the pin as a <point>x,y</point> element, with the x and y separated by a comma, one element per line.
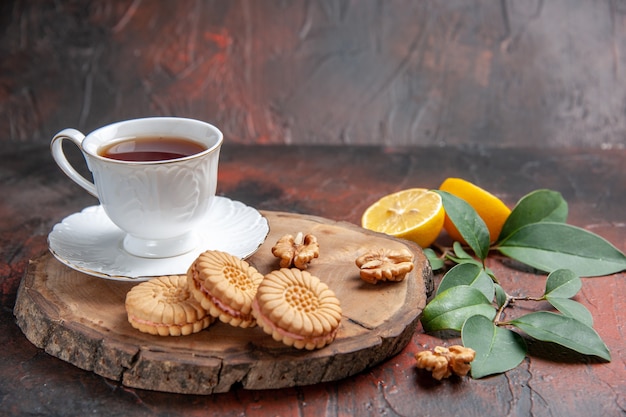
<point>56,146</point>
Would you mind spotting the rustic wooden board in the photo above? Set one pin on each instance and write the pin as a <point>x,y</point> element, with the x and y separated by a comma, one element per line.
<point>82,320</point>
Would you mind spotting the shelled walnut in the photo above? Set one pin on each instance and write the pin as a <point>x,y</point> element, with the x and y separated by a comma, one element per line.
<point>443,362</point>
<point>385,265</point>
<point>296,251</point>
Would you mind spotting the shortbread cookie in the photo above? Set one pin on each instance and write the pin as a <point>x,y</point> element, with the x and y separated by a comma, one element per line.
<point>296,308</point>
<point>164,306</point>
<point>225,286</point>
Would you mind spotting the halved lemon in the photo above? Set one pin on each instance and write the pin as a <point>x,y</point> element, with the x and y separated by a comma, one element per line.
<point>489,207</point>
<point>415,214</point>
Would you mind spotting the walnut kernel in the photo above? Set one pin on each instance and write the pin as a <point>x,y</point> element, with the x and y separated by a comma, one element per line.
<point>443,362</point>
<point>385,265</point>
<point>296,251</point>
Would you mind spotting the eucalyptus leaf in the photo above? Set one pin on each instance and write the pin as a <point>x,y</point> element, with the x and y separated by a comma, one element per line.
<point>563,283</point>
<point>572,309</point>
<point>435,261</point>
<point>449,309</point>
<point>537,206</point>
<point>468,274</point>
<point>548,246</point>
<point>497,349</point>
<point>468,223</point>
<point>563,330</point>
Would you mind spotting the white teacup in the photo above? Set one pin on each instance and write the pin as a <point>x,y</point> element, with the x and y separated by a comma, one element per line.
<point>158,203</point>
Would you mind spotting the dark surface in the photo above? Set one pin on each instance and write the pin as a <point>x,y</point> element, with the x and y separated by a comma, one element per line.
<point>429,72</point>
<point>338,183</point>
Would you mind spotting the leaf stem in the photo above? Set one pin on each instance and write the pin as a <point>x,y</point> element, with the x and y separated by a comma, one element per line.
<point>526,298</point>
<point>507,302</point>
<point>497,319</point>
<point>443,249</point>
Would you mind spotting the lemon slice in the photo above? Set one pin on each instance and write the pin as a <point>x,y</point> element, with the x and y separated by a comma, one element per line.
<point>489,207</point>
<point>415,214</point>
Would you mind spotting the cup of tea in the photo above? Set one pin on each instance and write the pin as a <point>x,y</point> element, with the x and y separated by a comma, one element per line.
<point>155,178</point>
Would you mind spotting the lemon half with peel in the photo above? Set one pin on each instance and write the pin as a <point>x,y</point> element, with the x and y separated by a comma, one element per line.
<point>415,214</point>
<point>489,207</point>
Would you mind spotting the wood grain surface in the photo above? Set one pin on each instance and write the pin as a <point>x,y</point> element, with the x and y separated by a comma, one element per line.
<point>82,320</point>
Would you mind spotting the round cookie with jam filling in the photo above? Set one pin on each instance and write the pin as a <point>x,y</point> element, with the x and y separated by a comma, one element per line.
<point>164,306</point>
<point>225,286</point>
<point>297,309</point>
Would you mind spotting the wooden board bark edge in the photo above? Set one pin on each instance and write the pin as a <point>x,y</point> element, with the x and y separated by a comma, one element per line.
<point>44,318</point>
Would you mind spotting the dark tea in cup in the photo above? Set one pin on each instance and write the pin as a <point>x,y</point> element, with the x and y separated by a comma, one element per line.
<point>155,178</point>
<point>151,148</point>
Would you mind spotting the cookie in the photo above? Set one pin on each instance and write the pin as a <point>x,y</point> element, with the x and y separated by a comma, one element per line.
<point>296,308</point>
<point>164,306</point>
<point>225,286</point>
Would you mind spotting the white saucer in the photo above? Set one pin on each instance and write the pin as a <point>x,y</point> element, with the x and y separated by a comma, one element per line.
<point>90,243</point>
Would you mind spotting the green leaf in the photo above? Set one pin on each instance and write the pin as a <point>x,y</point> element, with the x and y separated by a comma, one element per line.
<point>563,283</point>
<point>563,330</point>
<point>464,260</point>
<point>572,309</point>
<point>435,261</point>
<point>468,274</point>
<point>461,256</point>
<point>500,295</point>
<point>460,252</point>
<point>473,261</point>
<point>450,309</point>
<point>497,349</point>
<point>537,206</point>
<point>549,246</point>
<point>468,223</point>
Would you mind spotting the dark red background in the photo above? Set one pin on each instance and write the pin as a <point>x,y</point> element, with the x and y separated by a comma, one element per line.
<point>429,72</point>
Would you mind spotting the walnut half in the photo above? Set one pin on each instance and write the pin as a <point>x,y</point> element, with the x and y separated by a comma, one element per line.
<point>443,362</point>
<point>296,251</point>
<point>385,265</point>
